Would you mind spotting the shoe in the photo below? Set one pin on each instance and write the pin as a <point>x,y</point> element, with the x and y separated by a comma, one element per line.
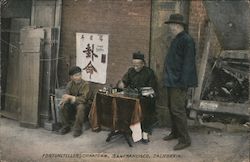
<point>181,146</point>
<point>98,129</point>
<point>145,141</point>
<point>77,133</point>
<point>169,137</point>
<point>64,130</point>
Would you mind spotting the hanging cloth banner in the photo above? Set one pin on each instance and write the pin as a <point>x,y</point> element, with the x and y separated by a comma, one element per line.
<point>92,56</point>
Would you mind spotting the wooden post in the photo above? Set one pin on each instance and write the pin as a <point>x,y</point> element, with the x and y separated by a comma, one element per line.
<point>201,72</point>
<point>53,111</point>
<point>203,64</point>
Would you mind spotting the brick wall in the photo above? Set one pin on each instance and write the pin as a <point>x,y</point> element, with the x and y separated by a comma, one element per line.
<point>126,22</point>
<point>198,21</point>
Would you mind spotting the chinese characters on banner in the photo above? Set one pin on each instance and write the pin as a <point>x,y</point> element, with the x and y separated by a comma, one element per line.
<point>92,56</point>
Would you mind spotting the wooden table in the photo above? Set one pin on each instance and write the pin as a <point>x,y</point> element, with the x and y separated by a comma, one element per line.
<point>115,111</point>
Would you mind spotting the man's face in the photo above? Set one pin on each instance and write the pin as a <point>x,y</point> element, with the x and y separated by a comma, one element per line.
<point>137,64</point>
<point>76,77</point>
<point>173,28</point>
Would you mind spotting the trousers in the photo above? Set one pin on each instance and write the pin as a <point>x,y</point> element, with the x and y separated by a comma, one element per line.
<point>177,108</point>
<point>149,114</point>
<point>67,112</point>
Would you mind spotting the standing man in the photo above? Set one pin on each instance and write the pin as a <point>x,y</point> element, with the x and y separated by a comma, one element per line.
<point>180,74</point>
<point>137,77</point>
<point>74,100</point>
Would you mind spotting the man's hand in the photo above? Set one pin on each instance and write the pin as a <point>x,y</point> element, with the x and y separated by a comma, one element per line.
<point>67,98</point>
<point>120,84</point>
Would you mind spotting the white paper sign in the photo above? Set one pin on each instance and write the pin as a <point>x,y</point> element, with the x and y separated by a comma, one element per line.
<point>92,56</point>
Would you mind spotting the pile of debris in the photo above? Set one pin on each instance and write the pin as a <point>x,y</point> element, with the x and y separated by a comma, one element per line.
<point>229,81</point>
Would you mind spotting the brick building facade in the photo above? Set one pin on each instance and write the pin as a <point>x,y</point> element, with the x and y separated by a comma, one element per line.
<point>132,25</point>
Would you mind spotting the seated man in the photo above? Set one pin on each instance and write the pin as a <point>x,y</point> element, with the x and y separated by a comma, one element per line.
<point>74,100</point>
<point>137,77</point>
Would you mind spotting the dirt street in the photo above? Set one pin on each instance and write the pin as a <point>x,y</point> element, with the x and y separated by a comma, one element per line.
<point>208,145</point>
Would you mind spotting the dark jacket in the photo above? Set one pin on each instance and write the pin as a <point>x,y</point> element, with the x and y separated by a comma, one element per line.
<point>179,65</point>
<point>143,78</point>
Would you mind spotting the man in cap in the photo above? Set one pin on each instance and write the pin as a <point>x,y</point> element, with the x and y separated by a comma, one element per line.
<point>137,77</point>
<point>74,100</point>
<point>180,74</point>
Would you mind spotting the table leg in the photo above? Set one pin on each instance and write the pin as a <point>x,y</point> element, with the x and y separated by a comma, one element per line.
<point>111,134</point>
<point>127,139</point>
<point>125,135</point>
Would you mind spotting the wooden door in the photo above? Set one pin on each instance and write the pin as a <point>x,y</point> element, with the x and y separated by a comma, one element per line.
<point>11,95</point>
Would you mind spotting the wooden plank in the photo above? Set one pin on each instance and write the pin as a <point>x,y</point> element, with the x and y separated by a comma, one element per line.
<point>203,64</point>
<point>29,76</point>
<point>11,95</point>
<point>9,115</point>
<point>235,54</point>
<point>29,87</point>
<point>58,14</point>
<point>223,107</point>
<point>5,36</point>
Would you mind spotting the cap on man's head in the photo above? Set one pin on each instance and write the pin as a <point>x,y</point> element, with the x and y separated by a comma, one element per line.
<point>138,55</point>
<point>75,69</point>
